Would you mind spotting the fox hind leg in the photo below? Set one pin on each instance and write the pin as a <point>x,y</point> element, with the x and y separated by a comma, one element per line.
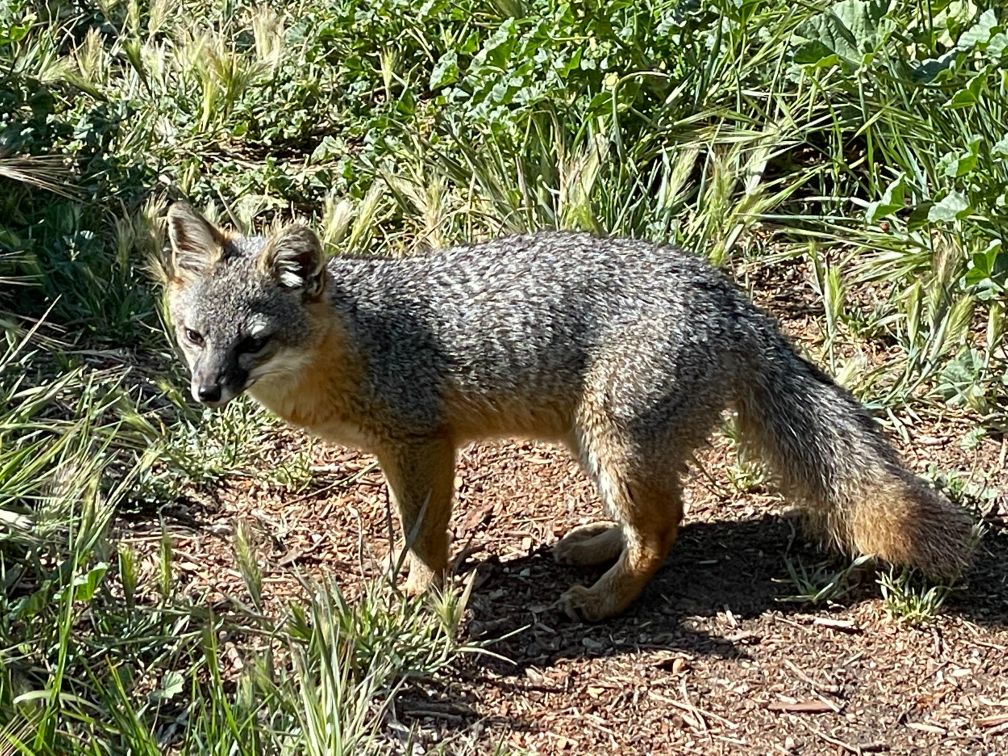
<point>591,544</point>
<point>646,499</point>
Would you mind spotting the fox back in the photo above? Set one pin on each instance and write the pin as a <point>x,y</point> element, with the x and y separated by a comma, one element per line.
<point>501,338</point>
<point>625,351</point>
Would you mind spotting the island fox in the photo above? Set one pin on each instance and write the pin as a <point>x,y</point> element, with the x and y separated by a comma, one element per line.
<point>627,352</point>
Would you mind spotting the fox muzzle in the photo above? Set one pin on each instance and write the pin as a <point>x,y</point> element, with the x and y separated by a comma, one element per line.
<point>215,388</point>
<point>212,394</point>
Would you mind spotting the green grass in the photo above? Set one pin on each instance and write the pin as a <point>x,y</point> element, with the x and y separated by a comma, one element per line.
<point>90,653</point>
<point>910,599</point>
<point>865,138</point>
<point>823,582</point>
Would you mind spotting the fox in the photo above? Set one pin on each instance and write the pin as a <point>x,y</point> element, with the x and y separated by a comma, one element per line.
<point>627,352</point>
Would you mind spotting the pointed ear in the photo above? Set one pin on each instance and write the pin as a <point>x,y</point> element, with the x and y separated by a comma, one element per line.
<point>196,243</point>
<point>293,256</point>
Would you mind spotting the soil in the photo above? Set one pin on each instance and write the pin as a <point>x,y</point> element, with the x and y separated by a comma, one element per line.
<point>712,659</point>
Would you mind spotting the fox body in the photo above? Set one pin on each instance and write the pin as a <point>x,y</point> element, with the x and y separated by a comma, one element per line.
<point>625,351</point>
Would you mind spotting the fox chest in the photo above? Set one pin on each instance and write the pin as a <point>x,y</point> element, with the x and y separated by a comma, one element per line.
<point>323,415</point>
<point>347,433</point>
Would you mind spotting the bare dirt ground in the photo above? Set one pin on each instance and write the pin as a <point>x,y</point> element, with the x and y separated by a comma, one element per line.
<point>710,660</point>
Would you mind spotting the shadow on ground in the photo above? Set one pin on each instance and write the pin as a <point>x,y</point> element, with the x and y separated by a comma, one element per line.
<point>720,596</point>
<point>734,568</point>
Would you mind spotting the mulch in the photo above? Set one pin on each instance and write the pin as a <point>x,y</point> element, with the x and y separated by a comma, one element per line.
<point>710,660</point>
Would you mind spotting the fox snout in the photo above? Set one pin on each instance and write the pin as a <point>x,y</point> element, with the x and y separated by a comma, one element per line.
<point>210,393</point>
<point>215,389</point>
<point>213,394</point>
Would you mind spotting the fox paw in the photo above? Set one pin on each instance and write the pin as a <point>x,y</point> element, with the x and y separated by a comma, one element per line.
<point>585,545</point>
<point>580,604</point>
<point>423,580</point>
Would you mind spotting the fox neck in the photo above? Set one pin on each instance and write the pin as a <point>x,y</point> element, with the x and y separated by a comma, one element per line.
<point>319,395</point>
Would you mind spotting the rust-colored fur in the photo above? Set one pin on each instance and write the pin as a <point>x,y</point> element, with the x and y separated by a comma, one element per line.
<point>627,352</point>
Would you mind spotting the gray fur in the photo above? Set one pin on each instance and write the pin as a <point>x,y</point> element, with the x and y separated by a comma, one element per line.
<point>534,317</point>
<point>625,350</point>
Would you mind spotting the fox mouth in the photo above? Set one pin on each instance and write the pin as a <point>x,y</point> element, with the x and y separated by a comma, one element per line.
<point>236,382</point>
<point>215,400</point>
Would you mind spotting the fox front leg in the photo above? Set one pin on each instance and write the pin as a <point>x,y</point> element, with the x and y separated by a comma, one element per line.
<point>420,477</point>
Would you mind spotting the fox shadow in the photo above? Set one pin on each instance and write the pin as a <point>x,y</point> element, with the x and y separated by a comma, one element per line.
<point>736,568</point>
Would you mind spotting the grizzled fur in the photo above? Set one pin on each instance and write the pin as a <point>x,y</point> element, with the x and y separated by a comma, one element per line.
<point>626,351</point>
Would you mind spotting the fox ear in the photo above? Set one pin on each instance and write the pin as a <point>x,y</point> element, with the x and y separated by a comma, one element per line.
<point>196,243</point>
<point>293,256</point>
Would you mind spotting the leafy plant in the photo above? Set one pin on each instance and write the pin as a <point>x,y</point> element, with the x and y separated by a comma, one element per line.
<point>908,600</point>
<point>865,137</point>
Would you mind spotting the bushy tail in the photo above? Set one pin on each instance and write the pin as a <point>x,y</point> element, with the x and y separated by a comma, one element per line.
<point>833,460</point>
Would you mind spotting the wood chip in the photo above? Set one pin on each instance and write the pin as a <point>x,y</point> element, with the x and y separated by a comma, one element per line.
<point>923,727</point>
<point>534,675</point>
<point>810,706</point>
<point>825,687</point>
<point>846,626</point>
<point>296,555</point>
<point>991,702</point>
<point>856,748</point>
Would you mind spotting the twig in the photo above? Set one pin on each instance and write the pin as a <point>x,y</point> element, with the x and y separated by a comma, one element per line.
<point>434,714</point>
<point>696,710</point>
<point>294,556</point>
<point>846,625</point>
<point>858,749</point>
<point>347,480</point>
<point>995,721</point>
<point>813,706</point>
<point>827,687</point>
<point>924,727</point>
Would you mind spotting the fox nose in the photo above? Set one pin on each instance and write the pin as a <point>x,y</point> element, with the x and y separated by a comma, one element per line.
<point>210,393</point>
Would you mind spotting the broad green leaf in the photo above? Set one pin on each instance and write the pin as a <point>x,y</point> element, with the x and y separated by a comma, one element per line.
<point>996,46</point>
<point>1000,148</point>
<point>953,18</point>
<point>85,585</point>
<point>850,29</point>
<point>959,164</point>
<point>13,33</point>
<point>980,33</point>
<point>952,206</point>
<point>28,607</point>
<point>970,94</point>
<point>817,54</point>
<point>446,71</point>
<point>890,202</point>
<point>172,683</point>
<point>988,271</point>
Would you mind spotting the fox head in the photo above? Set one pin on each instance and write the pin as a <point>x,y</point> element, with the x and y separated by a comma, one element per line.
<point>240,306</point>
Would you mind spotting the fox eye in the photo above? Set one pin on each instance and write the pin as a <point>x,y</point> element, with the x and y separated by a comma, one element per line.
<point>252,344</point>
<point>194,336</point>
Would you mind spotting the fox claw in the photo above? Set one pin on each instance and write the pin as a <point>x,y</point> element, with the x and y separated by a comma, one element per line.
<point>578,604</point>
